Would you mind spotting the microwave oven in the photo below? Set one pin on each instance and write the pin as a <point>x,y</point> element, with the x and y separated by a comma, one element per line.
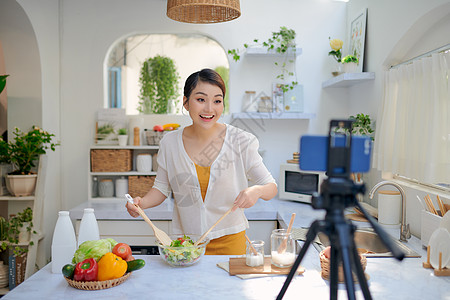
<point>298,185</point>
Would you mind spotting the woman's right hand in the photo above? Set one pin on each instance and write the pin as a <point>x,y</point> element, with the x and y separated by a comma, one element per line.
<point>132,210</point>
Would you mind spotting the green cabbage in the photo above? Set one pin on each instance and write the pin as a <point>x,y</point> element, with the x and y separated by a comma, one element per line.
<point>93,249</point>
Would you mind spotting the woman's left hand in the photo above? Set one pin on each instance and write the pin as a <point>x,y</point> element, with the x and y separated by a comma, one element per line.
<point>246,198</point>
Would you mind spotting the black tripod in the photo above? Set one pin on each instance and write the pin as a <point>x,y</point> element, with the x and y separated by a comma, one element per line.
<point>338,192</point>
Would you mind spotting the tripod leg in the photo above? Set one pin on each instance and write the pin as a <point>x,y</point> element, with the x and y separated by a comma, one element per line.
<point>360,272</point>
<point>344,232</point>
<point>334,269</point>
<point>310,235</point>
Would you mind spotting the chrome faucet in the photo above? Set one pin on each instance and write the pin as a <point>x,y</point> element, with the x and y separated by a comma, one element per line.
<point>405,233</point>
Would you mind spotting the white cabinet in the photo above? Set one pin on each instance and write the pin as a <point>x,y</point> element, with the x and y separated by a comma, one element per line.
<point>136,150</point>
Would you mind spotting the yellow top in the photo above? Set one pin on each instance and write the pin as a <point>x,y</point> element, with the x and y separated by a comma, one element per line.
<point>203,178</point>
<point>233,244</point>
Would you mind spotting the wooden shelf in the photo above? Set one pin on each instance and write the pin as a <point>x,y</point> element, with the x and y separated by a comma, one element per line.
<point>348,79</point>
<point>262,51</point>
<point>131,173</point>
<point>125,147</point>
<point>14,198</point>
<point>274,116</point>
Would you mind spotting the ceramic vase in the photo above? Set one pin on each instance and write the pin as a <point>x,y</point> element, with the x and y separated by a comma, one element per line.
<point>350,67</point>
<point>123,140</point>
<point>21,185</point>
<point>24,234</point>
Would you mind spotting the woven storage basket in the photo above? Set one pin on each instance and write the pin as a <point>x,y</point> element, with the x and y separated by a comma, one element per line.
<point>97,285</point>
<point>325,265</point>
<point>154,137</point>
<point>140,185</point>
<point>114,160</point>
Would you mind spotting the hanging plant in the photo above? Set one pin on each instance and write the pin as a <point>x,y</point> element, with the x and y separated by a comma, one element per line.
<point>159,85</point>
<point>10,235</point>
<point>280,42</point>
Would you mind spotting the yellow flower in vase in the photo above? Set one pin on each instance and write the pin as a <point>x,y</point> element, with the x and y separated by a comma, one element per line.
<point>336,45</point>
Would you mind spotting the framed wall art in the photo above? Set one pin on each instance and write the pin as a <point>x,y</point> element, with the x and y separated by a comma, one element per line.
<point>357,37</point>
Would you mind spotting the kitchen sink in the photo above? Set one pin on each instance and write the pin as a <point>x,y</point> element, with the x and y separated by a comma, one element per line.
<point>366,238</point>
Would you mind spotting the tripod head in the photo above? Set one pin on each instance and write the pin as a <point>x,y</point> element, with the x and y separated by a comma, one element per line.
<point>338,190</point>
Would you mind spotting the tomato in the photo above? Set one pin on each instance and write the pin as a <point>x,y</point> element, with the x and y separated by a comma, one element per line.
<point>122,250</point>
<point>130,258</point>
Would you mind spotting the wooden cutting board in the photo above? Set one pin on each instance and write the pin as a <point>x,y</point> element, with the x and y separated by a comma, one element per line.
<point>237,266</point>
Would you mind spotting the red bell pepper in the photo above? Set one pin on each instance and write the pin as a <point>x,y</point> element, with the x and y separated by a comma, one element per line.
<point>87,270</point>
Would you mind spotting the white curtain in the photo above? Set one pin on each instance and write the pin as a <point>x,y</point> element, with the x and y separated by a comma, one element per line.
<point>413,128</point>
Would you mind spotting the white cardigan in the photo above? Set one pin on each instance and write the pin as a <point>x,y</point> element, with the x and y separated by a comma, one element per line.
<point>237,163</point>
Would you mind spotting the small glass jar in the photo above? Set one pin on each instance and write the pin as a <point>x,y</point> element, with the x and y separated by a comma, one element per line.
<point>282,248</point>
<point>106,188</point>
<point>249,103</point>
<point>253,259</point>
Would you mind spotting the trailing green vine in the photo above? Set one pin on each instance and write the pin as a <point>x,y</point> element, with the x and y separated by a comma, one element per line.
<point>280,42</point>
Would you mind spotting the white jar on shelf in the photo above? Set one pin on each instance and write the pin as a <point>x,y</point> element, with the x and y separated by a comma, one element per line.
<point>106,188</point>
<point>249,102</point>
<point>121,187</point>
<point>144,163</point>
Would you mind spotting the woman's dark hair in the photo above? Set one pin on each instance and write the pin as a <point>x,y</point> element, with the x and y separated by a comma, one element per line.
<point>205,75</point>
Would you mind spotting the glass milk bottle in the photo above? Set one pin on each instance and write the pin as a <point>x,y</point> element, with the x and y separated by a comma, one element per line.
<point>283,248</point>
<point>88,227</point>
<point>64,242</point>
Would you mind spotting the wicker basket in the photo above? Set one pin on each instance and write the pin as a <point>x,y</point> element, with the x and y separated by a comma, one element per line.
<point>140,185</point>
<point>114,160</point>
<point>154,137</point>
<point>325,265</point>
<point>203,11</point>
<point>97,285</point>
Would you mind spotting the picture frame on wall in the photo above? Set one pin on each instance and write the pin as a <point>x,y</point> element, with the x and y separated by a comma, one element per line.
<point>357,37</point>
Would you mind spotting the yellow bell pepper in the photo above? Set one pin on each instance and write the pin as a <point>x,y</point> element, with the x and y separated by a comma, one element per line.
<point>111,266</point>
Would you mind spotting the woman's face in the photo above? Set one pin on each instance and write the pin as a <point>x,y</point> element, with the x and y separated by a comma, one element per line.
<point>205,104</point>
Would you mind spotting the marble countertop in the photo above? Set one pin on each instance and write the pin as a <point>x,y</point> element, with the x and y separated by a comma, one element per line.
<point>388,278</point>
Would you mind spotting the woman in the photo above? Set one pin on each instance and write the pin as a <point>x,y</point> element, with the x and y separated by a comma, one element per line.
<point>207,166</point>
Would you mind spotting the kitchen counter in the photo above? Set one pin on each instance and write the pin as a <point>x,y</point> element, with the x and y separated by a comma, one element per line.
<point>389,279</point>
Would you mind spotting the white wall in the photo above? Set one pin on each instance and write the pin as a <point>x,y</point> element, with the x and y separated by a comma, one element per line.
<point>74,36</point>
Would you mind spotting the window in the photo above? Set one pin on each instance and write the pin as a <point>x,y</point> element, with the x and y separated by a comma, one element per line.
<point>413,134</point>
<point>190,52</point>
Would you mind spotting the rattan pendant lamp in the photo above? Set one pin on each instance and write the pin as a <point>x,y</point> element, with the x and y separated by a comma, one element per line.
<point>203,11</point>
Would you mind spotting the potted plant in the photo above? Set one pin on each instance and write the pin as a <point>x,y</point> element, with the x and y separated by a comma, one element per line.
<point>159,85</point>
<point>362,125</point>
<point>350,63</point>
<point>336,46</point>
<point>281,42</point>
<point>5,167</point>
<point>22,152</point>
<point>18,230</point>
<point>122,136</point>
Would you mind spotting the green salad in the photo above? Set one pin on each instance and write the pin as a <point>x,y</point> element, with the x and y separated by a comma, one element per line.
<point>182,252</point>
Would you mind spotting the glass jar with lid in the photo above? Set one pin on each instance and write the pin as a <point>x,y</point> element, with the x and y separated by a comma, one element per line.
<point>249,102</point>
